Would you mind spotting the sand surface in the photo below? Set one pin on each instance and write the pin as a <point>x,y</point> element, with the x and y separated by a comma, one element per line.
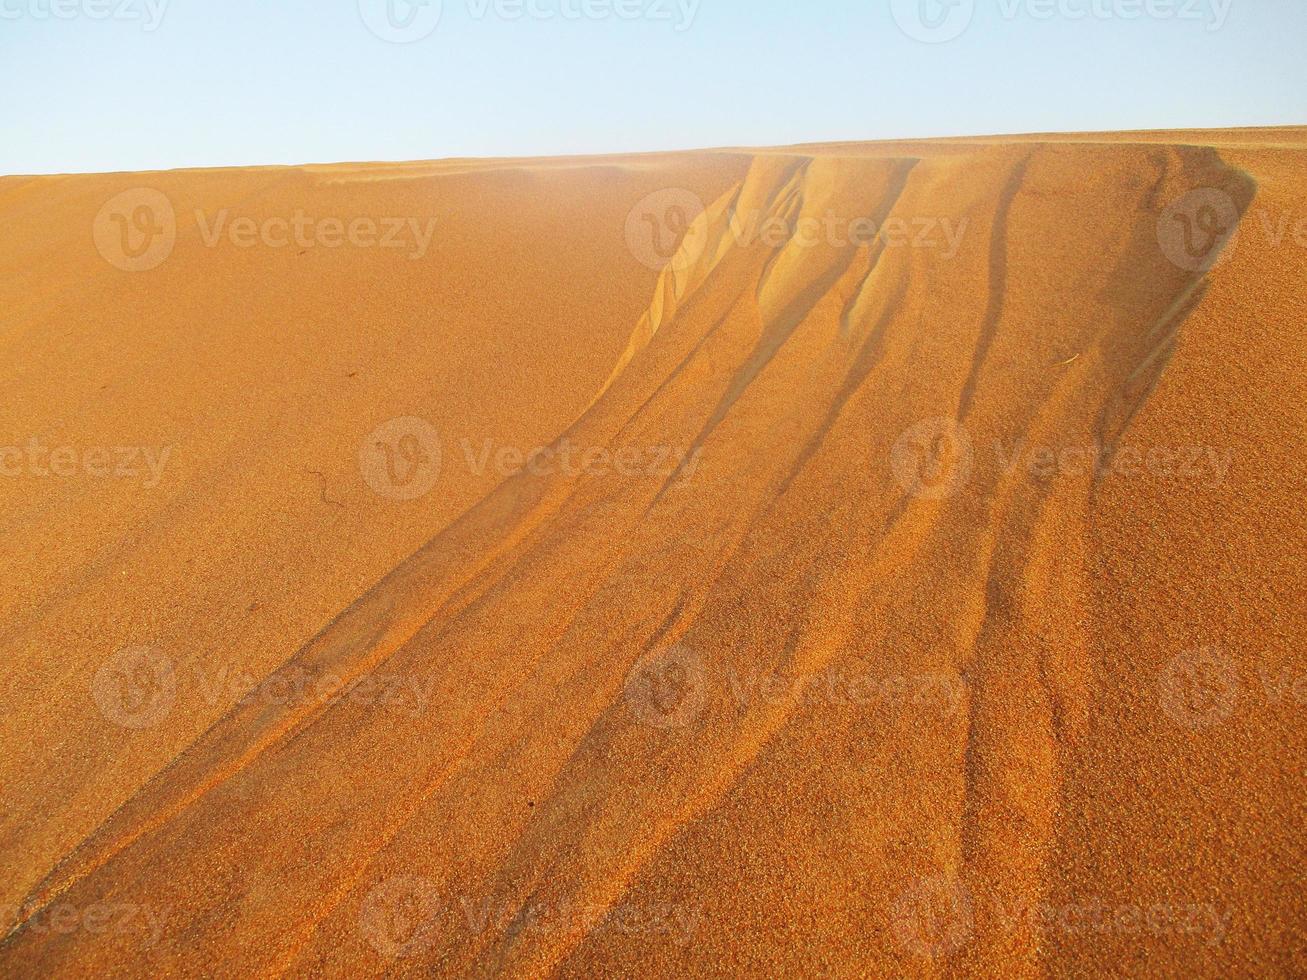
<point>913,585</point>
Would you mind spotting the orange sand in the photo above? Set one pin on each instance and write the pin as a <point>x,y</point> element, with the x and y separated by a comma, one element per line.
<point>849,692</point>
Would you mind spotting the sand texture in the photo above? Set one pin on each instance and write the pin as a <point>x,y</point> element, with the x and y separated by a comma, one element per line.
<point>921,603</point>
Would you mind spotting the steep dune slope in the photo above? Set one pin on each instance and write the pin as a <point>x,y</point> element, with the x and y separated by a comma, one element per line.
<point>915,603</point>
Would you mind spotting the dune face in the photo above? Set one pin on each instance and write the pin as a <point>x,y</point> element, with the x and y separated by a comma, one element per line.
<point>908,580</point>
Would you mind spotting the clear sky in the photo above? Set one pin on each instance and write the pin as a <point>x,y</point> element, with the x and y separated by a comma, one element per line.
<point>96,85</point>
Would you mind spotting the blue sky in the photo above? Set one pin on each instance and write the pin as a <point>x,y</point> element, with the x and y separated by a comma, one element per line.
<point>145,84</point>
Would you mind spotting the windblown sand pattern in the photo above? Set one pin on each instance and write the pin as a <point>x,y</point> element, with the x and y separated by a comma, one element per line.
<point>948,619</point>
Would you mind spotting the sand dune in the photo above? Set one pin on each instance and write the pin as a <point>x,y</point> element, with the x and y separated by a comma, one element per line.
<point>911,584</point>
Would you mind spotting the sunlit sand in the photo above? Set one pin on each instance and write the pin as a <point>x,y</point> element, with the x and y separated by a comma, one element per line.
<point>849,560</point>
